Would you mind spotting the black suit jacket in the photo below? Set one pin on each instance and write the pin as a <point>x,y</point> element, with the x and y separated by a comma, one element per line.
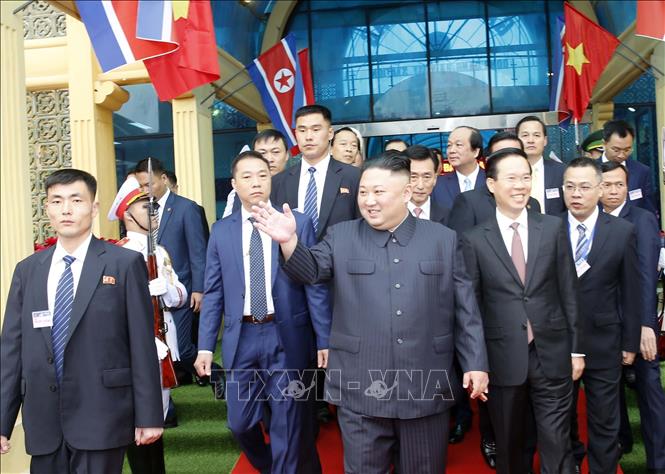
<point>474,207</point>
<point>438,213</point>
<point>608,294</point>
<point>547,299</point>
<point>648,249</point>
<point>555,205</point>
<point>340,192</point>
<point>110,382</point>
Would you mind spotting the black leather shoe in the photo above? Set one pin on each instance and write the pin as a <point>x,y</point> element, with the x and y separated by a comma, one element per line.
<point>457,434</point>
<point>488,450</point>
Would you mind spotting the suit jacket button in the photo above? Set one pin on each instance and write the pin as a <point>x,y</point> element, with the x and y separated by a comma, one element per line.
<point>526,299</point>
<point>398,312</point>
<point>52,388</point>
<point>395,260</point>
<point>49,360</point>
<point>398,286</point>
<point>524,326</point>
<point>399,340</point>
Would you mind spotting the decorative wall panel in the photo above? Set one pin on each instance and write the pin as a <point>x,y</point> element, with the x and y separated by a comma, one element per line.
<point>41,20</point>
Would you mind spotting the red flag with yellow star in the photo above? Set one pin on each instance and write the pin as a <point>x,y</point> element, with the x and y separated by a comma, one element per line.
<point>587,48</point>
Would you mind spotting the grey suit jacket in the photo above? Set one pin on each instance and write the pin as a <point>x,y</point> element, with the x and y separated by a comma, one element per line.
<point>110,382</point>
<point>548,299</point>
<point>402,305</point>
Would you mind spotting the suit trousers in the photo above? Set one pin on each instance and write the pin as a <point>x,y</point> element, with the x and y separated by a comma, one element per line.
<point>67,460</point>
<point>372,444</point>
<point>551,400</point>
<point>259,377</point>
<point>601,388</point>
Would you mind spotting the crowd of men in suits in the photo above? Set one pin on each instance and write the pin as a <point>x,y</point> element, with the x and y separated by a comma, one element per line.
<point>510,281</point>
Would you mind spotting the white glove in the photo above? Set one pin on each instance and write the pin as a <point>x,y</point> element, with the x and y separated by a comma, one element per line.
<point>157,286</point>
<point>661,259</point>
<point>162,349</point>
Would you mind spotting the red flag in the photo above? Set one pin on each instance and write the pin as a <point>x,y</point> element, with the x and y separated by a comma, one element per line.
<point>587,50</point>
<point>195,62</point>
<point>303,61</point>
<point>650,19</point>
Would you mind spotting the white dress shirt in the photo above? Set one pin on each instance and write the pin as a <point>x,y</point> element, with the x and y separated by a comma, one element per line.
<point>604,159</point>
<point>507,231</point>
<point>538,183</point>
<point>162,204</point>
<point>426,208</point>
<point>618,210</point>
<point>589,223</point>
<point>58,266</point>
<point>472,177</point>
<point>320,179</point>
<point>247,229</point>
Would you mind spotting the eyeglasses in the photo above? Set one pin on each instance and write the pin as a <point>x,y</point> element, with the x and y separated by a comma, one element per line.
<point>583,188</point>
<point>618,186</point>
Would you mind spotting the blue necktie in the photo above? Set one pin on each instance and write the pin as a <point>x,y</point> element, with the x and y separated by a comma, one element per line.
<point>467,185</point>
<point>257,276</point>
<point>310,200</point>
<point>62,310</point>
<point>583,243</point>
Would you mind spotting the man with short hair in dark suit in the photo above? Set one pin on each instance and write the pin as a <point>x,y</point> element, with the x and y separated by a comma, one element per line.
<point>272,327</point>
<point>547,173</point>
<point>78,348</point>
<point>465,147</point>
<point>180,232</point>
<point>606,264</point>
<point>424,167</point>
<point>618,138</point>
<point>402,305</point>
<point>521,268</point>
<point>650,394</point>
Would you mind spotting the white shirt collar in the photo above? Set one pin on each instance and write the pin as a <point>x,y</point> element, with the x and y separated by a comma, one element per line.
<point>589,222</point>
<point>426,207</point>
<point>538,164</point>
<point>618,210</point>
<point>162,200</point>
<point>604,159</point>
<point>473,176</point>
<point>320,166</point>
<point>79,254</point>
<point>505,222</point>
<point>245,214</point>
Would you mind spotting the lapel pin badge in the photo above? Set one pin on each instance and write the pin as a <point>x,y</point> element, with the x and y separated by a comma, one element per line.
<point>108,280</point>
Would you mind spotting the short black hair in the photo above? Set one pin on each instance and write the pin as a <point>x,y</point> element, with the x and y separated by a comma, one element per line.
<point>391,160</point>
<point>346,129</point>
<point>501,136</point>
<point>270,134</point>
<point>492,162</point>
<point>395,140</point>
<point>314,109</point>
<point>422,153</point>
<point>585,162</point>
<point>170,175</point>
<point>530,118</point>
<point>475,139</point>
<point>69,176</point>
<point>244,156</point>
<point>620,127</point>
<point>613,165</point>
<point>157,166</point>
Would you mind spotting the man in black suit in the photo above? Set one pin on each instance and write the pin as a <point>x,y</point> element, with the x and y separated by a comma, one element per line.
<point>332,185</point>
<point>424,167</point>
<point>650,394</point>
<point>547,174</point>
<point>605,259</point>
<point>521,267</point>
<point>78,352</point>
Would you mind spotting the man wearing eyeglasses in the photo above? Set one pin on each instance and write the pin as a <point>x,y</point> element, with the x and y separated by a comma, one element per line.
<point>650,393</point>
<point>618,139</point>
<point>609,304</point>
<point>521,268</point>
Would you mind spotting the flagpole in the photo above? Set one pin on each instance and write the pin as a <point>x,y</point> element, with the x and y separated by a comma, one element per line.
<point>218,87</point>
<point>577,133</point>
<point>641,57</point>
<point>639,66</point>
<point>231,93</point>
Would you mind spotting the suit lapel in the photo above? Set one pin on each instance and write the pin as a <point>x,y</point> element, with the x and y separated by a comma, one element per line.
<point>40,284</point>
<point>480,180</point>
<point>236,244</point>
<point>600,234</point>
<point>535,235</point>
<point>330,189</point>
<point>452,186</point>
<point>166,215</point>
<point>493,236</point>
<point>292,184</point>
<point>91,275</point>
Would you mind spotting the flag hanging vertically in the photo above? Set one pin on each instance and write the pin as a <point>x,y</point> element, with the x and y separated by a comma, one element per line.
<point>650,19</point>
<point>195,62</point>
<point>587,50</point>
<point>112,27</point>
<point>557,98</point>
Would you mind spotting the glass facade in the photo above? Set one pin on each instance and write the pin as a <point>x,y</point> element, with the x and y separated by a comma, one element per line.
<point>382,61</point>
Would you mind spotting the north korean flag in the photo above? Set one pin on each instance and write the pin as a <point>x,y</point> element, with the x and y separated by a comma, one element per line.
<point>278,79</point>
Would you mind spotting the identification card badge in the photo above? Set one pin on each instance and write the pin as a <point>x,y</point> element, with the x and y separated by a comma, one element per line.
<point>552,193</point>
<point>582,268</point>
<point>42,319</point>
<point>635,194</point>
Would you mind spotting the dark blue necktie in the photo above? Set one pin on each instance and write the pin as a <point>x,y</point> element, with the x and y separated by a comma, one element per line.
<point>62,310</point>
<point>583,244</point>
<point>257,276</point>
<point>311,200</point>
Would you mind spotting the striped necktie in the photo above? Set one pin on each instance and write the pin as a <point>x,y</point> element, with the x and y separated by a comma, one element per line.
<point>62,310</point>
<point>583,243</point>
<point>257,275</point>
<point>311,199</point>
